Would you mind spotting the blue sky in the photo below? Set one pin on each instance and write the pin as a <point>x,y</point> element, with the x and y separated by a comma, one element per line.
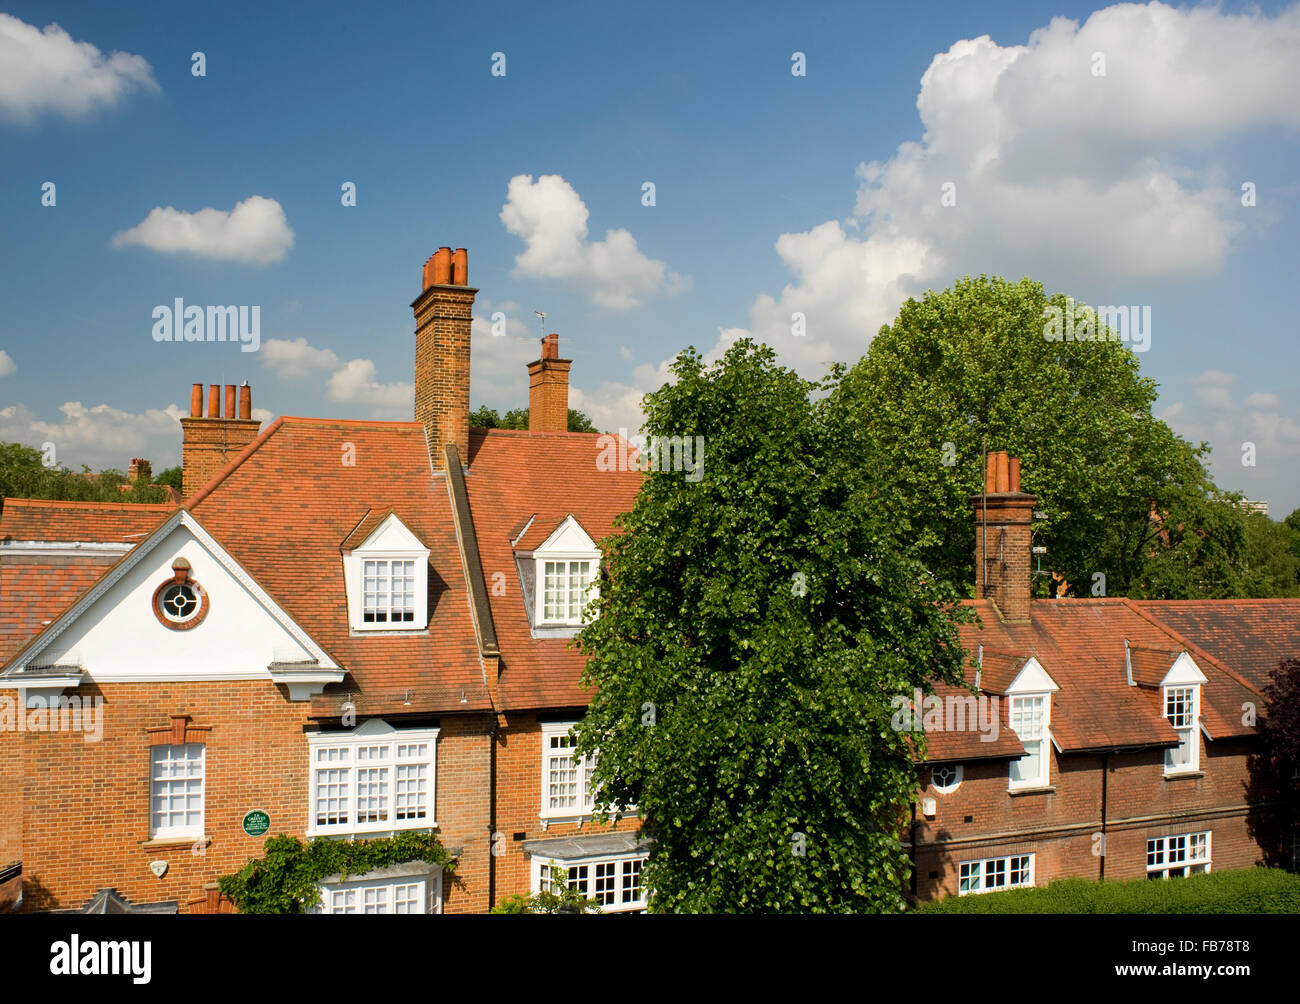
<point>1116,188</point>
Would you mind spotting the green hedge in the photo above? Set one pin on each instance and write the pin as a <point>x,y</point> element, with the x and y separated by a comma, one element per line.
<point>1255,890</point>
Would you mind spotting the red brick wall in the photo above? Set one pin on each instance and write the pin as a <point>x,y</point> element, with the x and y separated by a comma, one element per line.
<point>1060,826</point>
<point>83,822</point>
<point>443,315</point>
<point>519,805</point>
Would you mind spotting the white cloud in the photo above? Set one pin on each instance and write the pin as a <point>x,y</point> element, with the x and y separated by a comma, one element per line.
<point>101,436</point>
<point>1080,181</point>
<point>291,359</point>
<point>354,383</point>
<point>45,70</point>
<point>255,231</point>
<point>7,365</point>
<point>551,218</point>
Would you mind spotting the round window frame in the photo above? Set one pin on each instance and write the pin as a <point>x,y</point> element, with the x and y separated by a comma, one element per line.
<point>181,578</point>
<point>947,789</point>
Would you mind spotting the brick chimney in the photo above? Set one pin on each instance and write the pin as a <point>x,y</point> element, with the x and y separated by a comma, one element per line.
<point>548,389</point>
<point>139,470</point>
<point>213,440</point>
<point>1003,515</point>
<point>443,313</point>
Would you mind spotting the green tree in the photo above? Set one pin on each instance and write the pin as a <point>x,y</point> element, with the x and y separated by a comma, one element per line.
<point>24,475</point>
<point>560,898</point>
<point>970,368</point>
<point>484,417</point>
<point>753,627</point>
<point>171,476</point>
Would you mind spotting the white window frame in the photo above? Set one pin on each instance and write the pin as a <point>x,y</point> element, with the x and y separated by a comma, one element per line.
<point>354,750</point>
<point>387,609</point>
<point>1187,853</point>
<point>583,877</point>
<point>1186,757</point>
<point>1043,740</point>
<point>390,541</point>
<point>953,785</point>
<point>981,875</point>
<point>187,830</point>
<point>427,894</point>
<point>583,768</point>
<point>570,616</point>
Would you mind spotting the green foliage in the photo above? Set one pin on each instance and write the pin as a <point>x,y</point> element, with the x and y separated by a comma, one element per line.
<point>566,900</point>
<point>752,629</point>
<point>286,878</point>
<point>171,476</point>
<point>1271,563</point>
<point>22,475</point>
<point>1255,890</point>
<point>484,417</point>
<point>970,366</point>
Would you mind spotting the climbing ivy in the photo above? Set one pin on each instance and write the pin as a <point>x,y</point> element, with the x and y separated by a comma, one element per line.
<point>287,877</point>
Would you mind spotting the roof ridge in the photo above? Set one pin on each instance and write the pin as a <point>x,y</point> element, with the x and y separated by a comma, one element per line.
<point>309,420</point>
<point>240,457</point>
<point>26,503</point>
<point>1189,645</point>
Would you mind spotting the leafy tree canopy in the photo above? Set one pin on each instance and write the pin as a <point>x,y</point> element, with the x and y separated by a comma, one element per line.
<point>23,475</point>
<point>752,630</point>
<point>484,417</point>
<point>1120,492</point>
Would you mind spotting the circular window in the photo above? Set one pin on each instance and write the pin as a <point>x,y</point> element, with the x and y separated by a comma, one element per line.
<point>180,603</point>
<point>945,779</point>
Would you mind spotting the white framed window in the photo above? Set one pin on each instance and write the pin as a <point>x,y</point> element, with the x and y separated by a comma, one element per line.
<point>176,777</point>
<point>565,585</point>
<point>946,778</point>
<point>410,894</point>
<point>993,874</point>
<point>1030,715</point>
<point>388,591</point>
<point>387,577</point>
<point>613,881</point>
<point>566,777</point>
<point>1182,710</point>
<point>1178,856</point>
<point>374,779</point>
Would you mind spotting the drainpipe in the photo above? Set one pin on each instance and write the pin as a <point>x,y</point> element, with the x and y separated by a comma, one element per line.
<point>492,815</point>
<point>1105,772</point>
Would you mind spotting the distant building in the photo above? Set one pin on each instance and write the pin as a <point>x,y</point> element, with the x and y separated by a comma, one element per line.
<point>1259,507</point>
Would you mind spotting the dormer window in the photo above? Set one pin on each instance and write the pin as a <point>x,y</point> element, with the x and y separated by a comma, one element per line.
<point>558,568</point>
<point>388,592</point>
<point>564,591</point>
<point>386,568</point>
<point>1182,710</point>
<point>1029,700</point>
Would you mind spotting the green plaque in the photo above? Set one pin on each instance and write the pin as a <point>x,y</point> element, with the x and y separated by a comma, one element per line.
<point>256,823</point>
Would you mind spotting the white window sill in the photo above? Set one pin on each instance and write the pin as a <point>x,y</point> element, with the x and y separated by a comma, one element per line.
<point>1032,789</point>
<point>425,826</point>
<point>176,840</point>
<point>1177,775</point>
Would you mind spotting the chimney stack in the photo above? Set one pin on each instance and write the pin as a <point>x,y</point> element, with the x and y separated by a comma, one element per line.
<point>548,389</point>
<point>1003,517</point>
<point>211,441</point>
<point>139,469</point>
<point>443,314</point>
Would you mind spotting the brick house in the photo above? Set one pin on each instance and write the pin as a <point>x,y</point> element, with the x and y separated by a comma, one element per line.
<point>357,628</point>
<point>362,628</point>
<point>1126,729</point>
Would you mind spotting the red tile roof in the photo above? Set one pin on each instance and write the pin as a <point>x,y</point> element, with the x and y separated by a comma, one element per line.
<point>512,475</point>
<point>62,521</point>
<point>34,593</point>
<point>1248,636</point>
<point>283,508</point>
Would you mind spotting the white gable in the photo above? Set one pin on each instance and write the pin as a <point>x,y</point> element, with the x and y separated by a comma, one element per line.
<point>114,634</point>
<point>392,535</point>
<point>1183,673</point>
<point>569,538</point>
<point>1032,679</point>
